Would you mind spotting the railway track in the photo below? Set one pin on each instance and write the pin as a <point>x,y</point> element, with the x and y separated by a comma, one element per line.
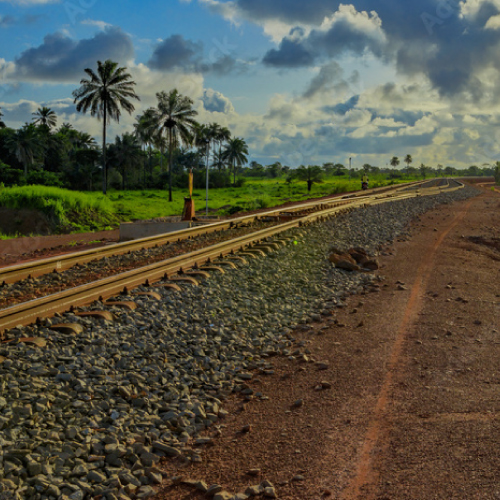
<point>92,399</point>
<point>29,312</point>
<point>15,273</point>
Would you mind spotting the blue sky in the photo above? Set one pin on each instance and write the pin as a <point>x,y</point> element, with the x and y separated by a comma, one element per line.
<point>302,82</point>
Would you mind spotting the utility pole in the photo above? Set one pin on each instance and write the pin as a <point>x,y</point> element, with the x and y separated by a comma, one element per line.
<point>349,168</point>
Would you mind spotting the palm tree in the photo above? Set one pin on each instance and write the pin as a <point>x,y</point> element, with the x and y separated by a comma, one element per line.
<point>46,117</point>
<point>104,93</point>
<point>145,133</point>
<point>424,169</point>
<point>213,129</point>
<point>26,144</point>
<point>124,154</point>
<point>2,124</point>
<point>223,135</point>
<point>311,174</point>
<point>408,160</point>
<point>235,153</point>
<point>394,161</point>
<point>175,114</point>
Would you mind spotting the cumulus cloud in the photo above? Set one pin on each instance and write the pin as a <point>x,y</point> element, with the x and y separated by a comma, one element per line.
<point>329,79</point>
<point>452,43</point>
<point>62,59</point>
<point>178,53</point>
<point>345,31</point>
<point>214,101</point>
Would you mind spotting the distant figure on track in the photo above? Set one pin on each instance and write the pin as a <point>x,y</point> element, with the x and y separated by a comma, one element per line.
<point>364,182</point>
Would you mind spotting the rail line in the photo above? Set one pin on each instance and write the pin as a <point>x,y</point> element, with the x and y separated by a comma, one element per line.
<point>12,274</point>
<point>29,312</point>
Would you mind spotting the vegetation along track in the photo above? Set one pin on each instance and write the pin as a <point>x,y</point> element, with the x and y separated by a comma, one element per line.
<point>199,255</point>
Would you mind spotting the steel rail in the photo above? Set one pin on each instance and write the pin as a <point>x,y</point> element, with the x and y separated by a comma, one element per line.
<point>30,312</point>
<point>12,274</point>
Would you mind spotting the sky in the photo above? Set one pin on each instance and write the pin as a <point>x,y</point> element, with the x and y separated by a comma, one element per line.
<point>303,82</point>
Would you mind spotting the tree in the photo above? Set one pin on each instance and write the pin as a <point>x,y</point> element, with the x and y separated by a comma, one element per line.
<point>212,132</point>
<point>104,93</point>
<point>408,160</point>
<point>2,124</point>
<point>235,154</point>
<point>175,114</point>
<point>339,170</point>
<point>222,134</point>
<point>26,144</point>
<point>424,170</point>
<point>310,174</point>
<point>274,170</point>
<point>394,161</point>
<point>46,117</point>
<point>256,169</point>
<point>497,172</point>
<point>328,168</point>
<point>145,133</point>
<point>124,154</point>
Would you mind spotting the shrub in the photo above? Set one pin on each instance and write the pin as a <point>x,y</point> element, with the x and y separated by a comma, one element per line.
<point>10,176</point>
<point>60,205</point>
<point>44,178</point>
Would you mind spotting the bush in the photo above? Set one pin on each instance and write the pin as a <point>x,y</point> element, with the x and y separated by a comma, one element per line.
<point>395,175</point>
<point>60,205</point>
<point>44,178</point>
<point>10,176</point>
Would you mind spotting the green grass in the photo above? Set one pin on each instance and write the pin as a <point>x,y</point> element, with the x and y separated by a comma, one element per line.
<point>256,193</point>
<point>64,208</point>
<point>73,211</point>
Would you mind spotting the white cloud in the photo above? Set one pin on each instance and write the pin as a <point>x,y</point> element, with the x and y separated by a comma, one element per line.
<point>100,24</point>
<point>493,23</point>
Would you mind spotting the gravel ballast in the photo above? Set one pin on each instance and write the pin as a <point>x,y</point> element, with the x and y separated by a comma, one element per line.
<point>93,413</point>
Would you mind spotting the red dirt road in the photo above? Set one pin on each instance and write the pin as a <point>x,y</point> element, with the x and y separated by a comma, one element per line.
<point>412,398</point>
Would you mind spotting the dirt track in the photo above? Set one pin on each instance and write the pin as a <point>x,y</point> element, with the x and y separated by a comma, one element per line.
<point>412,411</point>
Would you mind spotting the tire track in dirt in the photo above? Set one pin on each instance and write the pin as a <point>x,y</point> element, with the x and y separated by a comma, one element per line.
<point>378,431</point>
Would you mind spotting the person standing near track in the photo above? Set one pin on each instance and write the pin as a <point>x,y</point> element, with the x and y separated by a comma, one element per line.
<point>364,181</point>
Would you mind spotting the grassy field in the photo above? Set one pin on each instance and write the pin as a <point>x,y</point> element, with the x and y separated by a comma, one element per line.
<point>74,211</point>
<point>256,193</point>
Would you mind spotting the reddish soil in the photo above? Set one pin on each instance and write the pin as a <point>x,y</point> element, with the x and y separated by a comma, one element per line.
<point>411,391</point>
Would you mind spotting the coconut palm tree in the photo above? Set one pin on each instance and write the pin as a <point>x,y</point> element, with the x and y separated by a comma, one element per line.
<point>124,154</point>
<point>45,116</point>
<point>223,134</point>
<point>104,93</point>
<point>235,154</point>
<point>26,144</point>
<point>145,133</point>
<point>213,131</point>
<point>175,116</point>
<point>394,161</point>
<point>408,160</point>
